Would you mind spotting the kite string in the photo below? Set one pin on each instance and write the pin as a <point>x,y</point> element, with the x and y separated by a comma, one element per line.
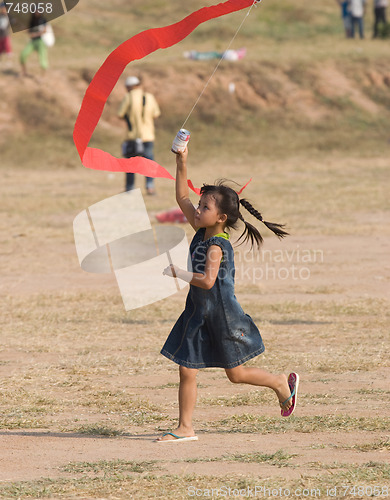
<point>255,2</point>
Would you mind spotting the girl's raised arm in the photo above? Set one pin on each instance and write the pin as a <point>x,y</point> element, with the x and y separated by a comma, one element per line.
<point>182,190</point>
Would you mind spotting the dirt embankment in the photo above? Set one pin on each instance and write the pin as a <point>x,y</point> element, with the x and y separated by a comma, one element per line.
<point>307,92</point>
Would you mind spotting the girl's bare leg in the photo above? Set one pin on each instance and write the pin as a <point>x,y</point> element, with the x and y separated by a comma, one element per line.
<point>260,377</point>
<point>187,400</point>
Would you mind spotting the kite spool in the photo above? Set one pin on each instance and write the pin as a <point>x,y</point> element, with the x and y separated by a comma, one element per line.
<point>181,140</point>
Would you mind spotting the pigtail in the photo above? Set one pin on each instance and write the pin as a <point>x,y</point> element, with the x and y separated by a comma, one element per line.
<point>250,233</point>
<point>276,228</point>
<point>253,233</point>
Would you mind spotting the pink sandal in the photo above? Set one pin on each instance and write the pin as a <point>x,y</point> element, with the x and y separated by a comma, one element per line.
<point>293,383</point>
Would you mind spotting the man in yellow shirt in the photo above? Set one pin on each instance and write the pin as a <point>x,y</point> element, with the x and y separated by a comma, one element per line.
<point>139,109</point>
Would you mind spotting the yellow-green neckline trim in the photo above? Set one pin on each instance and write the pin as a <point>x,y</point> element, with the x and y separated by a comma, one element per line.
<point>223,235</point>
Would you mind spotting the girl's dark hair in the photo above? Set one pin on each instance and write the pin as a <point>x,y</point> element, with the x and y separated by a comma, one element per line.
<point>228,202</point>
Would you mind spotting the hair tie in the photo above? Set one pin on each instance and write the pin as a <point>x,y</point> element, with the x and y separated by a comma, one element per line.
<point>242,189</point>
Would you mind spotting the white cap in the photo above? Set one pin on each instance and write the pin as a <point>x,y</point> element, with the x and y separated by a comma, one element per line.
<point>131,81</point>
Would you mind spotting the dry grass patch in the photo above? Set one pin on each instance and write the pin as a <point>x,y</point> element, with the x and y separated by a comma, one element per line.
<point>280,458</point>
<point>248,423</point>
<point>110,467</point>
<point>14,422</point>
<point>254,398</point>
<point>380,446</point>
<point>96,430</point>
<point>116,482</point>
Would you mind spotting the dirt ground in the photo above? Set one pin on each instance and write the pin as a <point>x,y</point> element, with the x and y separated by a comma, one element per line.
<point>74,365</point>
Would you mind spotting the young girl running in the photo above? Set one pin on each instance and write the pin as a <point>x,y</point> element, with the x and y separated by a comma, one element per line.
<point>213,330</point>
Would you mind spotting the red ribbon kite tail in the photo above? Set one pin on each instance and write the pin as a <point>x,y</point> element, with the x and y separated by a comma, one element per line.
<point>108,74</point>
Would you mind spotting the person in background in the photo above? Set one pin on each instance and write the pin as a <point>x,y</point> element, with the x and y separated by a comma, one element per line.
<point>5,39</point>
<point>346,16</point>
<point>357,9</point>
<point>36,29</point>
<point>379,15</point>
<point>139,109</point>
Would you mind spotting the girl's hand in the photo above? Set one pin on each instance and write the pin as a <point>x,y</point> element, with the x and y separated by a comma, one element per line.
<point>181,158</point>
<point>171,271</point>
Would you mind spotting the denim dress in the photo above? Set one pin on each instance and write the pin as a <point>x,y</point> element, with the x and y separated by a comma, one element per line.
<point>213,330</point>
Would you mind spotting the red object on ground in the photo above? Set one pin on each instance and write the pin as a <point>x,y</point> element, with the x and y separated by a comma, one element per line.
<point>172,215</point>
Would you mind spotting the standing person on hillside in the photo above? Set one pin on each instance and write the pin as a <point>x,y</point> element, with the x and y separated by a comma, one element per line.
<point>5,39</point>
<point>37,28</point>
<point>379,15</point>
<point>346,16</point>
<point>139,109</point>
<point>357,9</point>
<point>213,330</point>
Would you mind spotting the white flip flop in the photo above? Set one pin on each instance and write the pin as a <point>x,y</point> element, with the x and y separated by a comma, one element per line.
<point>178,439</point>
